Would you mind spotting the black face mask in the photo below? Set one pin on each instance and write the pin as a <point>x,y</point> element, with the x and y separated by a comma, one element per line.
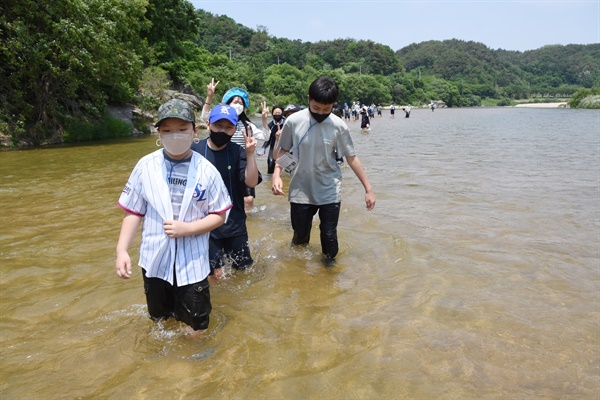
<point>319,117</point>
<point>219,138</point>
<point>277,118</point>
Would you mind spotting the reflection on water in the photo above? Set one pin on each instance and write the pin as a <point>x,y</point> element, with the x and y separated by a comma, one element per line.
<point>476,276</point>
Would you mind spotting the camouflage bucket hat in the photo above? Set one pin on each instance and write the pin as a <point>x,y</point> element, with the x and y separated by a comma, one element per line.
<point>175,108</point>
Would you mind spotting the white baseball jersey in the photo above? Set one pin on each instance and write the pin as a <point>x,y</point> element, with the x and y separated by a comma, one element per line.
<point>147,194</point>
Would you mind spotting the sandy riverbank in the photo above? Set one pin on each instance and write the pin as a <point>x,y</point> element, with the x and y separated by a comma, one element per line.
<point>543,105</point>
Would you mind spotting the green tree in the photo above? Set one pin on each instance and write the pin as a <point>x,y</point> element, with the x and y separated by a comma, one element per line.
<point>365,88</point>
<point>284,84</point>
<point>66,58</point>
<point>172,23</point>
<point>440,89</point>
<point>152,86</point>
<point>586,98</point>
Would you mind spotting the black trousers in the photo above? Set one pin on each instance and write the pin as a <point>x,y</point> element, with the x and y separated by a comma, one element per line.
<point>329,214</point>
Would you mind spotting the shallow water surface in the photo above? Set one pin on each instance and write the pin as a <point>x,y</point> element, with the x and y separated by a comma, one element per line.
<point>476,276</point>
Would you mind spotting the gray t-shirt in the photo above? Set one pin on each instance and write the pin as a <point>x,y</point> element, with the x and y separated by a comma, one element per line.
<point>317,178</point>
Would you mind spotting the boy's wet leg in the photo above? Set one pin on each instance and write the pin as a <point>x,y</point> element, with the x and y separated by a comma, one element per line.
<point>329,215</point>
<point>238,251</point>
<point>193,305</point>
<point>302,215</point>
<point>160,298</point>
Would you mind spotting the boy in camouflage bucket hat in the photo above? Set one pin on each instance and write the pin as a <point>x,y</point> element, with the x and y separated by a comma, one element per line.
<point>176,108</point>
<point>180,197</point>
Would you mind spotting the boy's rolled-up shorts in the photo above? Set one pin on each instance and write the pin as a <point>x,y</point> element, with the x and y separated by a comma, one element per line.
<point>189,304</point>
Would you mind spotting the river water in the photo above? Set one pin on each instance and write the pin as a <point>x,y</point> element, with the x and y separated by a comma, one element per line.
<point>476,276</point>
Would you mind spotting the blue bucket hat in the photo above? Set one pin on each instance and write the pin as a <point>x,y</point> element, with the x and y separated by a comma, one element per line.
<point>231,93</point>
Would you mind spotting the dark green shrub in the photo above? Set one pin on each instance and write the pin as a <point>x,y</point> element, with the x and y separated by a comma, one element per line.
<point>585,98</point>
<point>505,102</point>
<point>84,131</point>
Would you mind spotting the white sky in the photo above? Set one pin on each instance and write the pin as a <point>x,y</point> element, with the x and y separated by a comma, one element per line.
<point>510,25</point>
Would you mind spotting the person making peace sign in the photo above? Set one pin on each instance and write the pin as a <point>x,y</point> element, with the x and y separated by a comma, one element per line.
<point>239,171</point>
<point>239,100</point>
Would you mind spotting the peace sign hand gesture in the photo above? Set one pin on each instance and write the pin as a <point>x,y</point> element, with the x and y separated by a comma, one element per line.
<point>251,142</point>
<point>210,88</point>
<point>265,110</point>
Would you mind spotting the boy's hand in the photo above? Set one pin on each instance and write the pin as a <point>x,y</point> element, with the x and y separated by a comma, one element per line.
<point>218,273</point>
<point>250,142</point>
<point>216,277</point>
<point>123,265</point>
<point>175,229</point>
<point>370,200</point>
<point>277,187</point>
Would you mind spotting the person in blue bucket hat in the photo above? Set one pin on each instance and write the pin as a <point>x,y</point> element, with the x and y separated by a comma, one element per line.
<point>231,93</point>
<point>239,100</point>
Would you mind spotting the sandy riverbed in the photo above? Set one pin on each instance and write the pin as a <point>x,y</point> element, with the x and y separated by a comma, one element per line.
<point>543,105</point>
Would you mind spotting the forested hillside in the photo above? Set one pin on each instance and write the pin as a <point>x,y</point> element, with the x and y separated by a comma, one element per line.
<point>549,71</point>
<point>64,62</point>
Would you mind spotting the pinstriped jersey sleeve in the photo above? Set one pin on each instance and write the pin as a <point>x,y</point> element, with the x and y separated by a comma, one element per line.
<point>131,198</point>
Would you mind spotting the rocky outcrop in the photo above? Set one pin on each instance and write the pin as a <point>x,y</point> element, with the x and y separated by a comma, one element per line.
<point>139,118</point>
<point>194,101</point>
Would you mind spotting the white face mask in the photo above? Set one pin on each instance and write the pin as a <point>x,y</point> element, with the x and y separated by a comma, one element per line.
<point>177,143</point>
<point>238,108</point>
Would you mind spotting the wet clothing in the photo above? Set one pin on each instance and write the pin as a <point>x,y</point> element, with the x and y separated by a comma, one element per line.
<point>317,178</point>
<point>189,304</point>
<point>147,193</point>
<point>329,214</point>
<point>316,182</point>
<point>364,123</point>
<point>234,249</point>
<point>231,164</point>
<point>175,270</point>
